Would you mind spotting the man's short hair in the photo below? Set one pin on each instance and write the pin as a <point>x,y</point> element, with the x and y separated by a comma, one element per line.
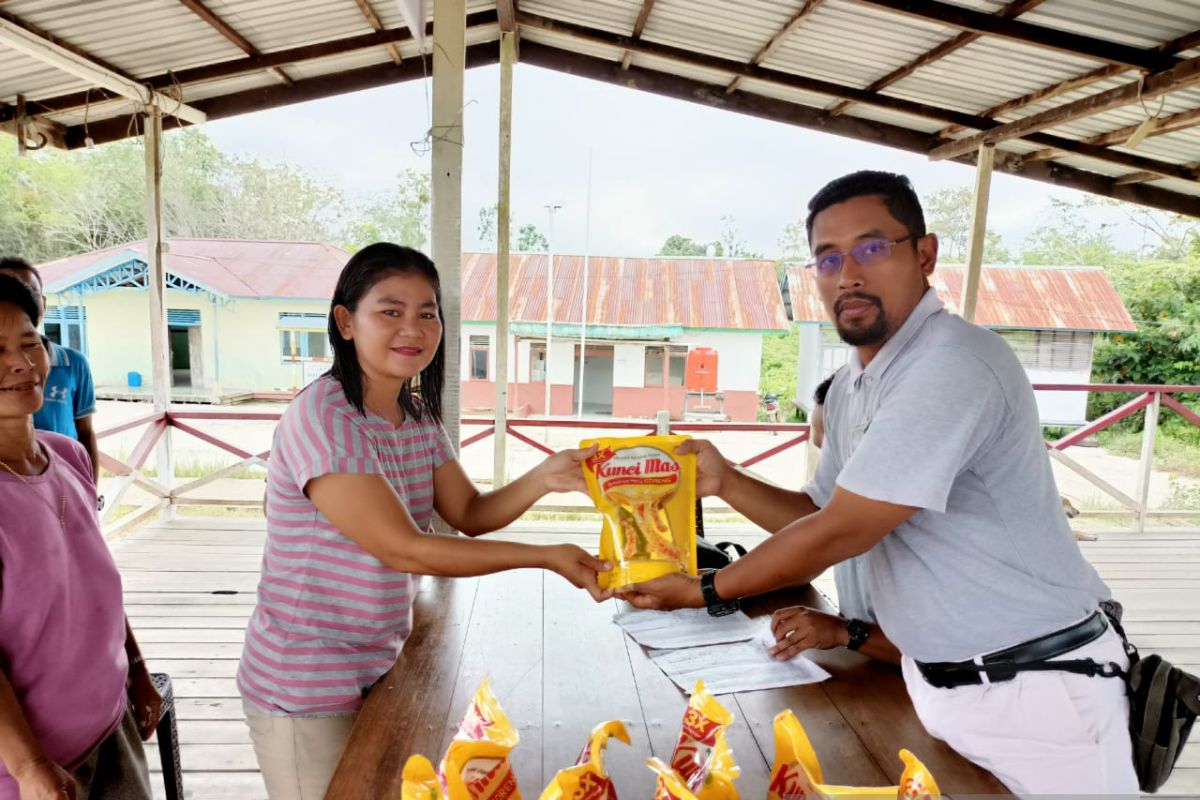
<point>20,265</point>
<point>897,191</point>
<point>822,390</point>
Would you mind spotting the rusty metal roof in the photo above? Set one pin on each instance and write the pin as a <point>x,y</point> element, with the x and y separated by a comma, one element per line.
<point>914,67</point>
<point>693,293</point>
<point>1025,298</point>
<point>233,268</point>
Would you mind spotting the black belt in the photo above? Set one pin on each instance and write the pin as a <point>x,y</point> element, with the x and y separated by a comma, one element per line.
<point>1003,665</point>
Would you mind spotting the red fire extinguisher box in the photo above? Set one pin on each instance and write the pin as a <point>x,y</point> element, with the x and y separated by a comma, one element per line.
<point>702,370</point>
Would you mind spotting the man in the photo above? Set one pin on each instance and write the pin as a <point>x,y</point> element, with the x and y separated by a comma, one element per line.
<point>934,467</point>
<point>800,628</point>
<point>70,395</point>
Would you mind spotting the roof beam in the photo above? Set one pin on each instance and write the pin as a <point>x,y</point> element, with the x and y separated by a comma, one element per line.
<point>115,128</point>
<point>1169,124</point>
<point>694,91</point>
<point>638,27</point>
<point>1181,76</point>
<point>778,39</point>
<point>1026,33</point>
<point>19,37</point>
<point>790,80</point>
<point>506,11</point>
<point>241,66</point>
<point>368,12</point>
<point>1010,11</point>
<point>1173,47</point>
<point>1142,177</point>
<point>222,27</point>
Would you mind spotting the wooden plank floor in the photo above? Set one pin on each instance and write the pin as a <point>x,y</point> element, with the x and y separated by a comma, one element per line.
<point>189,590</point>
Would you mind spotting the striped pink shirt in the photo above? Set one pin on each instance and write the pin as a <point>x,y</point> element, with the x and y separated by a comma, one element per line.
<point>331,618</point>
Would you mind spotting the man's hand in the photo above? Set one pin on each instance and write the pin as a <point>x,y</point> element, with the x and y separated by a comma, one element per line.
<point>711,466</point>
<point>579,567</point>
<point>666,592</point>
<point>563,471</point>
<point>798,628</point>
<point>144,700</point>
<point>44,780</point>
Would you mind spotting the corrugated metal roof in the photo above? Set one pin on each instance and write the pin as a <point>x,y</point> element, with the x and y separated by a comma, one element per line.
<point>234,268</point>
<point>693,293</point>
<point>847,42</point>
<point>1027,298</point>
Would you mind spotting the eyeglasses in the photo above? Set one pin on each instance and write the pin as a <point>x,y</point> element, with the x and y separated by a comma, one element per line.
<point>863,253</point>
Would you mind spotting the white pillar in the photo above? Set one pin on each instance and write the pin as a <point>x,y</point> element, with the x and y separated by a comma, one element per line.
<point>508,47</point>
<point>448,56</point>
<point>1146,463</point>
<point>160,353</point>
<point>983,186</point>
<point>550,209</point>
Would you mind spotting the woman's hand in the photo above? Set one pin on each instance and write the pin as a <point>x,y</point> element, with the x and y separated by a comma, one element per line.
<point>144,700</point>
<point>579,567</point>
<point>44,780</point>
<point>563,471</point>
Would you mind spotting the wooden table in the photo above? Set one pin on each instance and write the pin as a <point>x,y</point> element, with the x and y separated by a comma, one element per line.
<point>559,666</point>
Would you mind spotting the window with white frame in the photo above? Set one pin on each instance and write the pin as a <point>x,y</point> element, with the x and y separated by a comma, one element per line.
<point>478,356</point>
<point>303,337</point>
<point>1052,351</point>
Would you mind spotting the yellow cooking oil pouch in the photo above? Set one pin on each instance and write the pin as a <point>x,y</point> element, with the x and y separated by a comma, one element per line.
<point>668,785</point>
<point>418,781</point>
<point>588,780</point>
<point>796,772</point>
<point>703,729</point>
<point>722,772</point>
<point>476,765</point>
<point>647,495</point>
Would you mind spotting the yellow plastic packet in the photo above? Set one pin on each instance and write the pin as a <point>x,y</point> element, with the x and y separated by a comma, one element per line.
<point>419,781</point>
<point>647,495</point>
<point>476,765</point>
<point>722,772</point>
<point>668,786</point>
<point>700,735</point>
<point>796,772</point>
<point>588,780</point>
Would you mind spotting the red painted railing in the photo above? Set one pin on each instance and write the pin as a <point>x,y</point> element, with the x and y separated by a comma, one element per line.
<point>1150,399</point>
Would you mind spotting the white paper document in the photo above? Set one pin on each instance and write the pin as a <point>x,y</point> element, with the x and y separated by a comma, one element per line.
<point>686,627</point>
<point>737,667</point>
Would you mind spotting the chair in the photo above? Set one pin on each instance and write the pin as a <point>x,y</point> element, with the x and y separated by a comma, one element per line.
<point>168,738</point>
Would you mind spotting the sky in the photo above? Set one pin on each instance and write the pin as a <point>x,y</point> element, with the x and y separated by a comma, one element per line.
<point>659,166</point>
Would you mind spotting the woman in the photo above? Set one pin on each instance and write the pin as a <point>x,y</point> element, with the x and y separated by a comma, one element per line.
<point>359,464</point>
<point>67,656</point>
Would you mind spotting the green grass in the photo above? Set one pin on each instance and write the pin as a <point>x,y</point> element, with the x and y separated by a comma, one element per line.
<point>197,468</point>
<point>1170,454</point>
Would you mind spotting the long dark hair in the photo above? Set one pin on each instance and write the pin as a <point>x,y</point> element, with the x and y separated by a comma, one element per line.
<point>367,267</point>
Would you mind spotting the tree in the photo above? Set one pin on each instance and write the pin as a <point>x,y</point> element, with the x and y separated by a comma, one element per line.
<point>677,245</point>
<point>487,224</point>
<point>949,213</point>
<point>732,245</point>
<point>400,215</point>
<point>793,242</point>
<point>531,240</point>
<point>1070,238</point>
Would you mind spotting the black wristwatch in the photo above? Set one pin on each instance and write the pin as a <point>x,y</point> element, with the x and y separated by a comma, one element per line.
<point>859,631</point>
<point>712,601</point>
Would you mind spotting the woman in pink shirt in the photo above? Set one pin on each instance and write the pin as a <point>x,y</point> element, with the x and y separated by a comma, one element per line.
<point>69,666</point>
<point>359,464</point>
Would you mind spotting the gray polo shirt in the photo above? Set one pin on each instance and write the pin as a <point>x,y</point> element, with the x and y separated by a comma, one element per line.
<point>944,419</point>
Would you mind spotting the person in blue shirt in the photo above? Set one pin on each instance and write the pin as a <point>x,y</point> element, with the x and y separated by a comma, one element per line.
<point>70,393</point>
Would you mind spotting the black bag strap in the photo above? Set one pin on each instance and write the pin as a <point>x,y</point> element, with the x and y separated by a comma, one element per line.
<point>1004,670</point>
<point>699,518</point>
<point>725,547</point>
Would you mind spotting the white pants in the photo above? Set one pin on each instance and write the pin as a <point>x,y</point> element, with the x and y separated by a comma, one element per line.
<point>297,755</point>
<point>1041,733</point>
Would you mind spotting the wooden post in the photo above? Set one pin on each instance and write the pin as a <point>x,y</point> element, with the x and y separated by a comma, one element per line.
<point>448,56</point>
<point>156,285</point>
<point>983,186</point>
<point>1146,464</point>
<point>508,47</point>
